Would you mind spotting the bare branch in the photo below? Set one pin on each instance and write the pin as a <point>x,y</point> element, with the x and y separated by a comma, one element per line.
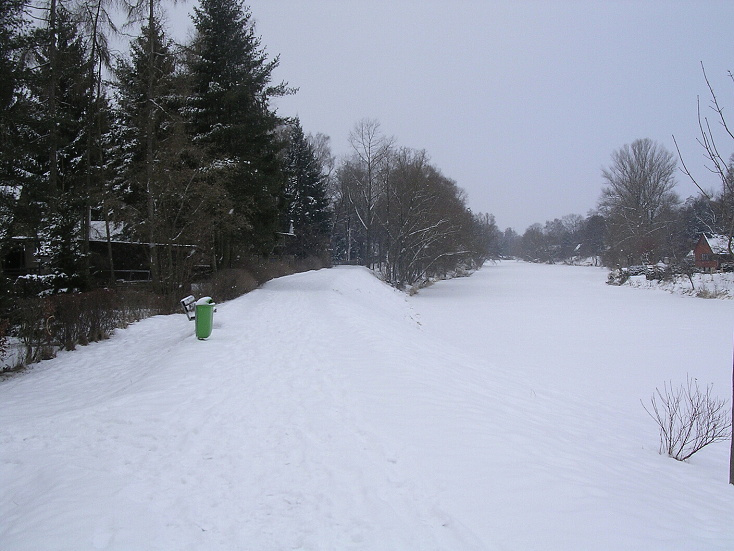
<point>688,419</point>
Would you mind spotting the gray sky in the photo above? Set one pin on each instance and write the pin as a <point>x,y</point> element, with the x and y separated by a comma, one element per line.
<point>521,102</point>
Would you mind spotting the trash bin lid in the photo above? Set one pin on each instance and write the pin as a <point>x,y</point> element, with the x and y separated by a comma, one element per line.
<point>205,301</point>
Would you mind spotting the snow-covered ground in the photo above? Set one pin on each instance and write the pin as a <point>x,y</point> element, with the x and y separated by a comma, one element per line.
<point>714,285</point>
<point>330,412</point>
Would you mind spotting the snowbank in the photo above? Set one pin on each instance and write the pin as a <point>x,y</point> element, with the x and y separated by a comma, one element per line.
<point>714,285</point>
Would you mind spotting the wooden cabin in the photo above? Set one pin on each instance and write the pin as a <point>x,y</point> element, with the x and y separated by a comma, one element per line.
<point>711,251</point>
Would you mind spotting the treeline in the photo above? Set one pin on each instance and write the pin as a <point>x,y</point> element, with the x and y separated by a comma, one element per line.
<point>639,218</point>
<point>395,211</point>
<point>559,239</point>
<point>179,148</point>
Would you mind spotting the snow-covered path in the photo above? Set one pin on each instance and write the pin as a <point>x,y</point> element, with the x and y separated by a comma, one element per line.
<point>328,411</point>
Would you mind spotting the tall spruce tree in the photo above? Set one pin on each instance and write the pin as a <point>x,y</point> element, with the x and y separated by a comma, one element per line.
<point>233,121</point>
<point>95,23</point>
<point>14,106</point>
<point>143,129</point>
<point>158,163</point>
<point>146,10</point>
<point>12,29</point>
<point>55,204</point>
<point>306,203</point>
<point>144,85</point>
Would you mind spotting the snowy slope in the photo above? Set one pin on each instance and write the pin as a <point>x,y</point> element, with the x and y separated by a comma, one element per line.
<point>714,285</point>
<point>328,411</point>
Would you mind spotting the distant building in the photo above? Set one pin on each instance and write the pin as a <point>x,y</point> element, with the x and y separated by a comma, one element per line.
<point>22,256</point>
<point>711,252</point>
<point>130,258</point>
<point>29,255</point>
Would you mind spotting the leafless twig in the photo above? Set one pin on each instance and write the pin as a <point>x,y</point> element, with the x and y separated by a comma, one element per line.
<point>688,418</point>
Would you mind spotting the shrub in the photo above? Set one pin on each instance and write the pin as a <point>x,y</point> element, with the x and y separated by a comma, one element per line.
<point>134,304</point>
<point>81,318</point>
<point>31,319</point>
<point>228,284</point>
<point>618,276</point>
<point>63,321</point>
<point>688,418</point>
<point>32,285</point>
<point>4,344</point>
<point>270,268</point>
<point>660,273</point>
<point>311,263</point>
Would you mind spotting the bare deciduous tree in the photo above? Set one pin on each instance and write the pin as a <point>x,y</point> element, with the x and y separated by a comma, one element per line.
<point>396,213</point>
<point>688,418</point>
<point>414,218</point>
<point>371,159</point>
<point>716,162</point>
<point>638,199</point>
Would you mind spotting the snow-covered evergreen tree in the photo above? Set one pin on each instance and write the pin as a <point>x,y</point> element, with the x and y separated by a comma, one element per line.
<point>54,205</point>
<point>134,113</point>
<point>306,203</point>
<point>158,199</point>
<point>232,120</point>
<point>14,106</point>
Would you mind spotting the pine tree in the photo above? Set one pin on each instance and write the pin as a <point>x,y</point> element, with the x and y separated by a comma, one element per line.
<point>232,120</point>
<point>306,203</point>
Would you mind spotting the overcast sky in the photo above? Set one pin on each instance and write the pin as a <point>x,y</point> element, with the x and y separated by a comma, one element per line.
<point>520,102</point>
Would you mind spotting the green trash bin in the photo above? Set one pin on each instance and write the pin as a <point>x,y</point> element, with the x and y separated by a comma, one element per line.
<point>204,319</point>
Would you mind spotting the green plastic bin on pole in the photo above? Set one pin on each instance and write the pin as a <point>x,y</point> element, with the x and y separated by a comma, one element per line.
<point>204,319</point>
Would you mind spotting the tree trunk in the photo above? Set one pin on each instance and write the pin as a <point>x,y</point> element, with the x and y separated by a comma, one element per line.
<point>150,128</point>
<point>53,169</point>
<point>109,247</point>
<point>92,113</point>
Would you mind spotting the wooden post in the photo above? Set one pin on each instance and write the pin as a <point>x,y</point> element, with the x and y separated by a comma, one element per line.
<point>731,452</point>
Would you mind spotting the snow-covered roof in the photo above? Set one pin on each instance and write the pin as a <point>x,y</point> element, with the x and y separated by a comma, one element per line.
<point>98,231</point>
<point>719,244</point>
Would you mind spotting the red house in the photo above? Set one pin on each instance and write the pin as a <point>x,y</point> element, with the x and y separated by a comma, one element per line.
<point>711,251</point>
